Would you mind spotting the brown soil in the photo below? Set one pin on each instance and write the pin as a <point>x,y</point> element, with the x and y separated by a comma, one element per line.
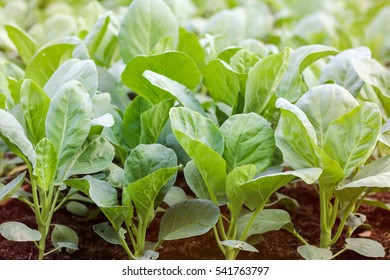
<point>276,245</point>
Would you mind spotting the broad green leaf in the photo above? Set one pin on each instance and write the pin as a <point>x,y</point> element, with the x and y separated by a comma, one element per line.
<point>145,25</point>
<point>203,142</point>
<point>185,96</point>
<point>259,190</point>
<point>105,231</point>
<point>16,231</point>
<point>238,244</point>
<point>144,191</point>
<point>243,61</point>
<point>35,104</point>
<point>341,70</point>
<point>174,196</point>
<point>64,237</point>
<point>101,192</point>
<point>324,104</point>
<point>351,139</point>
<point>174,65</point>
<point>263,79</point>
<point>145,159</point>
<point>3,101</point>
<point>94,155</point>
<point>46,165</point>
<point>118,214</point>
<point>188,218</point>
<point>373,73</point>
<point>46,61</point>
<point>366,247</point>
<point>195,181</point>
<point>13,135</point>
<point>190,45</point>
<point>83,71</point>
<point>6,191</point>
<point>23,42</point>
<point>77,208</point>
<point>68,121</point>
<point>374,175</point>
<point>266,220</point>
<point>221,81</point>
<point>249,139</point>
<point>106,120</point>
<point>290,86</point>
<point>309,252</point>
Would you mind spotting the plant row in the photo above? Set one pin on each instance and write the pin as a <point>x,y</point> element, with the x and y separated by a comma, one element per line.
<point>111,115</point>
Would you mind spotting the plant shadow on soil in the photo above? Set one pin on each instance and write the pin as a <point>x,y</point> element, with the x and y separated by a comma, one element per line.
<point>277,245</point>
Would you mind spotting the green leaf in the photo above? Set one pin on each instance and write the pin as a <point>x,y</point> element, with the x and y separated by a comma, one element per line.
<point>243,61</point>
<point>77,208</point>
<point>46,61</point>
<point>174,196</point>
<point>146,24</point>
<point>190,45</point>
<point>366,247</point>
<point>3,101</point>
<point>68,121</point>
<point>23,42</point>
<point>35,104</point>
<point>46,165</point>
<point>324,104</point>
<point>266,220</point>
<point>13,135</point>
<point>221,81</point>
<point>64,237</point>
<point>263,80</point>
<point>249,139</point>
<point>94,155</point>
<point>238,244</point>
<point>376,203</point>
<point>83,71</point>
<point>105,231</point>
<point>144,191</point>
<point>195,181</point>
<point>351,139</point>
<point>291,82</point>
<point>341,70</point>
<point>188,218</point>
<point>203,142</point>
<point>16,231</point>
<point>6,191</point>
<point>309,252</point>
<point>185,96</point>
<point>174,65</point>
<point>259,190</point>
<point>101,192</point>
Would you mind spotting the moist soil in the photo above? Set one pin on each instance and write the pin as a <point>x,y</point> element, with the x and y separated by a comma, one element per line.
<point>277,245</point>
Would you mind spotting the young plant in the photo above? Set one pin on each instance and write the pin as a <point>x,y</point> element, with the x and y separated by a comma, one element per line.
<point>226,168</point>
<point>149,173</point>
<point>328,129</point>
<point>56,146</point>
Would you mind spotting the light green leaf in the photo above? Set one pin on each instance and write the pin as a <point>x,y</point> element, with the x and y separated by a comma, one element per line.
<point>185,96</point>
<point>174,196</point>
<point>263,80</point>
<point>238,244</point>
<point>13,135</point>
<point>46,165</point>
<point>190,45</point>
<point>146,24</point>
<point>243,60</point>
<point>3,101</point>
<point>176,66</point>
<point>144,191</point>
<point>16,231</point>
<point>105,231</point>
<point>376,203</point>
<point>46,61</point>
<point>266,220</point>
<point>106,120</point>
<point>23,42</point>
<point>221,81</point>
<point>77,208</point>
<point>249,139</point>
<point>68,121</point>
<point>259,190</point>
<point>83,71</point>
<point>324,104</point>
<point>309,252</point>
<point>64,237</point>
<point>351,139</point>
<point>290,86</point>
<point>35,104</point>
<point>366,247</point>
<point>188,218</point>
<point>195,181</point>
<point>6,191</point>
<point>101,192</point>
